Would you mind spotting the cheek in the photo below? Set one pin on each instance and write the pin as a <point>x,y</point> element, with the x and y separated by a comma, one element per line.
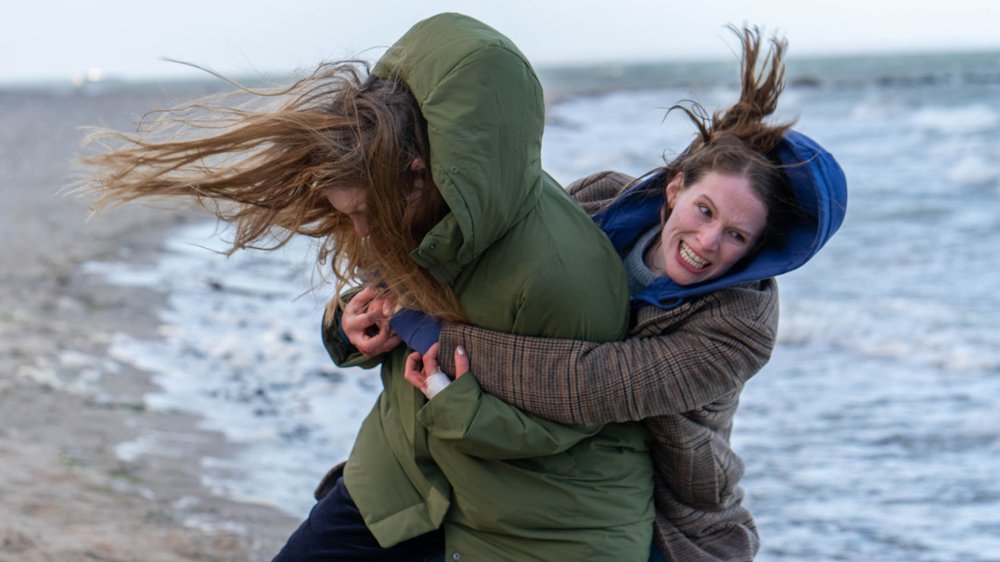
<point>673,223</point>
<point>666,239</point>
<point>735,254</point>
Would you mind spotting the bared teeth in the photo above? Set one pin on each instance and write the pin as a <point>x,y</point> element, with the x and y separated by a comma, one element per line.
<point>692,258</point>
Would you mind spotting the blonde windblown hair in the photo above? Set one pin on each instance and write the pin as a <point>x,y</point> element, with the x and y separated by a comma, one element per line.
<point>266,171</point>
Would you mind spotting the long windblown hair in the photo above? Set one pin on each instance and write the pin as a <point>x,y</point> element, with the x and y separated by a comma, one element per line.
<point>265,165</point>
<point>737,140</point>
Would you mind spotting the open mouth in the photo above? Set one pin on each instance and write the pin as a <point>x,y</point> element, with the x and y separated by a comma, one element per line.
<point>692,259</point>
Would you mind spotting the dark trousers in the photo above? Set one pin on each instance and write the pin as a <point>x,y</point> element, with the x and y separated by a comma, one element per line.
<point>335,530</point>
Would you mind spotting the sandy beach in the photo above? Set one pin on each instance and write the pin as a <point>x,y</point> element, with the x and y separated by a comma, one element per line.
<point>66,493</point>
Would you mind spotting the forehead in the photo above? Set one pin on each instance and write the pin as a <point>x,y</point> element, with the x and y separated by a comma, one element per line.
<point>735,201</point>
<point>347,200</point>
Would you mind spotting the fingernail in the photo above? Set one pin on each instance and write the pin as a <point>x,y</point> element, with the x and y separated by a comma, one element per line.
<point>460,350</point>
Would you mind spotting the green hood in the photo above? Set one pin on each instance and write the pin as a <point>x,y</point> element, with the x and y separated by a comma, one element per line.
<point>485,115</point>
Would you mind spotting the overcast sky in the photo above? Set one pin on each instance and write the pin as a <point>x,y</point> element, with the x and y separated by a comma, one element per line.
<point>56,39</point>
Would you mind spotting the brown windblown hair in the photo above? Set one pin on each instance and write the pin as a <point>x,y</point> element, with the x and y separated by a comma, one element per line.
<point>737,140</point>
<point>265,165</point>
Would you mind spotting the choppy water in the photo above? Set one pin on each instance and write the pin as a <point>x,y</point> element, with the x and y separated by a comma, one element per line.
<point>872,435</point>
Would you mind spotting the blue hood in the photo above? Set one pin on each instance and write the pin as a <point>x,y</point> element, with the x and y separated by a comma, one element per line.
<point>820,189</point>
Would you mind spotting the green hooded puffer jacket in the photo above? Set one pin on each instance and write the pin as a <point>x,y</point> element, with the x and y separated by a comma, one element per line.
<point>522,258</point>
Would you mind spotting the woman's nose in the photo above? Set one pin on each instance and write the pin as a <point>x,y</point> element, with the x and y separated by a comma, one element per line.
<point>360,226</point>
<point>709,237</point>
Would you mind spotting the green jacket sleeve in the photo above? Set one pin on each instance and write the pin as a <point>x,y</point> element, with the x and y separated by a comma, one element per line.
<point>479,424</point>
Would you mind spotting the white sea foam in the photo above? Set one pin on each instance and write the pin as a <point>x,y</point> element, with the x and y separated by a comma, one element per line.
<point>241,349</point>
<point>878,106</point>
<point>913,331</point>
<point>71,371</point>
<point>956,120</point>
<point>130,451</point>
<point>973,170</point>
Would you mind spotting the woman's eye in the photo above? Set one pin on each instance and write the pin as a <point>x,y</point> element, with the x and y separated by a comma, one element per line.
<point>705,210</point>
<point>738,237</point>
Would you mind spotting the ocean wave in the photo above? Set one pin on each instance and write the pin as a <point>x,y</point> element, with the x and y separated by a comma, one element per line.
<point>973,170</point>
<point>956,120</point>
<point>876,107</point>
<point>240,348</point>
<point>931,334</point>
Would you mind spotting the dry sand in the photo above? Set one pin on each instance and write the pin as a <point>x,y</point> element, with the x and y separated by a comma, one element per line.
<point>64,493</point>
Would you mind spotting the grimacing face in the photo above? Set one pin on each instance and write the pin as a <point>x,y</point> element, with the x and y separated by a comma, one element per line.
<point>713,224</point>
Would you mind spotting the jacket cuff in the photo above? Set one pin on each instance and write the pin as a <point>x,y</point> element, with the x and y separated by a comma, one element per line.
<point>451,336</point>
<point>450,414</point>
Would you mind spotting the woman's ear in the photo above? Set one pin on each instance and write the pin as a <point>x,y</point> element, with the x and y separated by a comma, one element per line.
<point>674,188</point>
<point>417,166</point>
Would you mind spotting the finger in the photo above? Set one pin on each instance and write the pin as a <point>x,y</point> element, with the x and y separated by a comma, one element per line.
<point>361,300</point>
<point>354,330</point>
<point>369,292</point>
<point>417,380</point>
<point>412,364</point>
<point>377,339</point>
<point>392,342</point>
<point>412,372</point>
<point>430,360</point>
<point>461,362</point>
<point>389,306</point>
<point>377,304</point>
<point>355,320</point>
<point>381,348</point>
<point>359,335</point>
<point>370,346</point>
<point>363,322</point>
<point>383,322</point>
<point>383,305</point>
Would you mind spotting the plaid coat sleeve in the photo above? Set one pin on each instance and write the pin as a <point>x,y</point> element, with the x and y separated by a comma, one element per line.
<point>673,361</point>
<point>597,191</point>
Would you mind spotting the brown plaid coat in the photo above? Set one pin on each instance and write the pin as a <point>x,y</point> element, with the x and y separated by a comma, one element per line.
<point>680,372</point>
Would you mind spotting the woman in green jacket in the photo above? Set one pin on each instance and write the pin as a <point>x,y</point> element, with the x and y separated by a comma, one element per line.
<point>424,179</point>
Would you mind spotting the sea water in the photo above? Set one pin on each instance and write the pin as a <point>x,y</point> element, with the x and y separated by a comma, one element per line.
<point>873,434</point>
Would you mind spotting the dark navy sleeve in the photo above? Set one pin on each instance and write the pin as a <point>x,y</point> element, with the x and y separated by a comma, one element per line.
<point>418,330</point>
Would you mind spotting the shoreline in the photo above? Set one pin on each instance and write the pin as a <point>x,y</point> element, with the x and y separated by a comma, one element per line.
<point>70,414</point>
<point>69,490</point>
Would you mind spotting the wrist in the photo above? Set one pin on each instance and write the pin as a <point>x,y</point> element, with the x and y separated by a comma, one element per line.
<point>435,383</point>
